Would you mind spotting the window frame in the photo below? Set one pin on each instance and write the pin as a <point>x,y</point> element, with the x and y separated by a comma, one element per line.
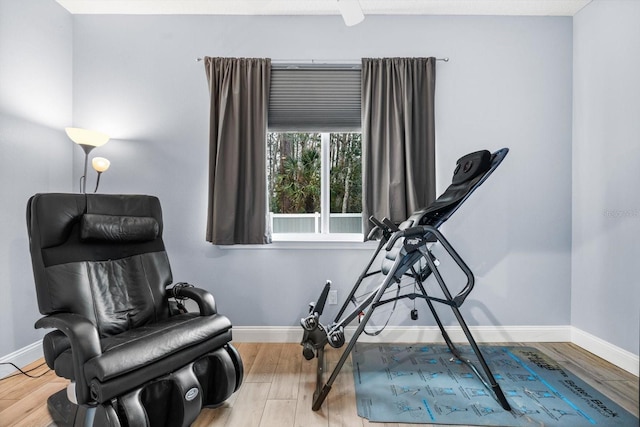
<point>325,234</point>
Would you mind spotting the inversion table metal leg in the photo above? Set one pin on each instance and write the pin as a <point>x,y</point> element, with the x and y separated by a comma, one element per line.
<point>319,373</point>
<point>324,391</point>
<point>443,331</point>
<point>493,385</point>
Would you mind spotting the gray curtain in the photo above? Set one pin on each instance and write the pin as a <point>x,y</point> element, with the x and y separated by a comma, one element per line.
<point>239,90</point>
<point>398,137</point>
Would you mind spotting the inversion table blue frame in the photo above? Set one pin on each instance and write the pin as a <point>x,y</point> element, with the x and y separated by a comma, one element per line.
<point>406,247</point>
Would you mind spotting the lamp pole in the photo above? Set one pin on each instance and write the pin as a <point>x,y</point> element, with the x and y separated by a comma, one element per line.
<point>83,179</point>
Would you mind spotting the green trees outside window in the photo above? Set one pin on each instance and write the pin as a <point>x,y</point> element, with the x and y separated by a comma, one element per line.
<point>295,178</point>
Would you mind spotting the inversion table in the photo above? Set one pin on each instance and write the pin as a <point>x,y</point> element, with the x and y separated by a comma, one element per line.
<point>407,256</point>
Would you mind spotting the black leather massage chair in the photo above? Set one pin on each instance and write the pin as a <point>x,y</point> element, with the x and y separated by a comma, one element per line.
<point>135,356</point>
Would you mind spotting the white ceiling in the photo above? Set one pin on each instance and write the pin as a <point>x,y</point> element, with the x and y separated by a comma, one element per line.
<point>326,7</point>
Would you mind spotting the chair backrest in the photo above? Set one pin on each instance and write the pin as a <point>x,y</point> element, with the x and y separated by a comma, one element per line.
<point>100,256</point>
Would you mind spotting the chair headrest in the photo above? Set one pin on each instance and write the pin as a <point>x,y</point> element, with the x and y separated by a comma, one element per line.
<point>118,228</point>
<point>470,166</point>
<point>52,216</point>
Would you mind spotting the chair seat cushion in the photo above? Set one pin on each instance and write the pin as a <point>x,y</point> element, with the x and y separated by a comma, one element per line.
<point>148,344</point>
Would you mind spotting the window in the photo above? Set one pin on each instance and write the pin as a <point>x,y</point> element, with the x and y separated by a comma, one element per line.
<point>314,150</point>
<point>315,185</point>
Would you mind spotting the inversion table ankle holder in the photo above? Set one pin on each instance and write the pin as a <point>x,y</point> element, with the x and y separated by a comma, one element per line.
<point>407,254</point>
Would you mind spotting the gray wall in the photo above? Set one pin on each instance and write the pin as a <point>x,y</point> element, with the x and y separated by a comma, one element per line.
<point>605,299</point>
<point>508,84</point>
<point>35,155</point>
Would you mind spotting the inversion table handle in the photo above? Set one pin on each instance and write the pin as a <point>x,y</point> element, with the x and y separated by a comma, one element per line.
<point>377,226</point>
<point>390,224</point>
<point>373,220</point>
<point>462,295</point>
<point>425,231</point>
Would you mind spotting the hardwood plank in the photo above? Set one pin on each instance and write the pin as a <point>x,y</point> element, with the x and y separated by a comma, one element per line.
<point>217,417</point>
<point>247,410</point>
<point>305,417</point>
<point>38,418</point>
<point>24,407</point>
<point>286,379</point>
<point>265,363</point>
<point>19,386</point>
<point>341,401</point>
<point>279,413</point>
<point>5,403</point>
<point>248,352</point>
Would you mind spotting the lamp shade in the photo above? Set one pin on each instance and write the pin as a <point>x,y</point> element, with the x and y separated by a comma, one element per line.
<point>100,164</point>
<point>87,137</point>
<point>351,12</point>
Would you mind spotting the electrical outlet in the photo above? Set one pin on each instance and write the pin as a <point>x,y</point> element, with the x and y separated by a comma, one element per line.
<point>333,297</point>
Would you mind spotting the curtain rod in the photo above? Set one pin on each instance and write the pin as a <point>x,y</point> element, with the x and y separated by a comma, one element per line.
<point>321,61</point>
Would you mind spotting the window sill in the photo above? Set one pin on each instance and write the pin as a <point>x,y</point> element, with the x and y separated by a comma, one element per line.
<point>317,237</point>
<point>311,241</point>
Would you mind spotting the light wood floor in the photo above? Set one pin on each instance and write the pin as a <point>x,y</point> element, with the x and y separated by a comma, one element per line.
<point>279,384</point>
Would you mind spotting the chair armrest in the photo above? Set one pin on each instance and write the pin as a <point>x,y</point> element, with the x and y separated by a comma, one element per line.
<point>206,302</point>
<point>85,345</point>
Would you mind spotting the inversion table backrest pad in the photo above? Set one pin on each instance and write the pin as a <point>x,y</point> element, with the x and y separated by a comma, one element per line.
<point>470,172</point>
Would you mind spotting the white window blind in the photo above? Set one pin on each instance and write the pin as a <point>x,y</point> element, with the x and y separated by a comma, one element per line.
<point>315,98</point>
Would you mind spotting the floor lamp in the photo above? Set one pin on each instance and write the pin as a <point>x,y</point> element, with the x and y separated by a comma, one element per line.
<point>88,140</point>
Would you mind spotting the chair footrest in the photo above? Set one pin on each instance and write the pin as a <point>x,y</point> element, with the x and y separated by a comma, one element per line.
<point>174,399</point>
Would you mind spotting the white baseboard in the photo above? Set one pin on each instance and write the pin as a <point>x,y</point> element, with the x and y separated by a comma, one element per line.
<point>416,334</point>
<point>622,358</point>
<point>504,334</point>
<point>395,334</point>
<point>21,358</point>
